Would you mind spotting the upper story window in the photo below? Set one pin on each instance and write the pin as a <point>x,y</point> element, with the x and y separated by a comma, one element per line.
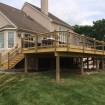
<point>1,39</point>
<point>61,28</point>
<point>10,39</point>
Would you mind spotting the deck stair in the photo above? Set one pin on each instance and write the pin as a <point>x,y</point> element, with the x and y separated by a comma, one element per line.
<point>11,58</point>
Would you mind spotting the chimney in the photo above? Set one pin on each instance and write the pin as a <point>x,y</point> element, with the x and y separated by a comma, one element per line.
<point>44,7</point>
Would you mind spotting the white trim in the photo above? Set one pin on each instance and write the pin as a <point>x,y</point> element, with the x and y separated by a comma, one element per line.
<point>8,19</point>
<point>3,40</point>
<point>36,10</point>
<point>13,38</point>
<point>7,29</point>
<point>2,49</point>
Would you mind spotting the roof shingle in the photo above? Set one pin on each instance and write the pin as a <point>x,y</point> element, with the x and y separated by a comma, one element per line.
<point>7,26</point>
<point>21,20</point>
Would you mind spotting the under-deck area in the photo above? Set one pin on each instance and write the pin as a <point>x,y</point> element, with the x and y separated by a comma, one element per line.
<point>58,45</point>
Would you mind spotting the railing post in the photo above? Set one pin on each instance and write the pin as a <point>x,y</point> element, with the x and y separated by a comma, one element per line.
<point>36,44</point>
<point>0,59</point>
<point>55,39</point>
<point>94,46</point>
<point>68,40</point>
<point>8,61</point>
<point>83,43</point>
<point>103,47</point>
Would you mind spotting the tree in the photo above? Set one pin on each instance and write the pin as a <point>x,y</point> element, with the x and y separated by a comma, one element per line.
<point>96,31</point>
<point>86,30</point>
<point>99,29</point>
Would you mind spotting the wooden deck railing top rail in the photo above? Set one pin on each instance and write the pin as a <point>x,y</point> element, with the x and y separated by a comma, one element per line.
<point>4,56</point>
<point>61,39</point>
<point>56,32</point>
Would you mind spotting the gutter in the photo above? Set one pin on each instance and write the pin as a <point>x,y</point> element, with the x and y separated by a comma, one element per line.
<point>30,31</point>
<point>2,29</point>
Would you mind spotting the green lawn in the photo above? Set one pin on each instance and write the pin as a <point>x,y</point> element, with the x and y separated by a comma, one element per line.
<point>41,89</point>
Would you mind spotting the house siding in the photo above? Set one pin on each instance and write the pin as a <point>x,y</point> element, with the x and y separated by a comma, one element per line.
<point>40,18</point>
<point>18,39</point>
<point>56,27</point>
<point>44,21</point>
<point>3,21</point>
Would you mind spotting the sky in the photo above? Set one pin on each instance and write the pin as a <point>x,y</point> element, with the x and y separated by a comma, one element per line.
<point>74,12</point>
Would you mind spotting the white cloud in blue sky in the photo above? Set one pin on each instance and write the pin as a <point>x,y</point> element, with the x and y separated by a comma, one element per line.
<point>82,12</point>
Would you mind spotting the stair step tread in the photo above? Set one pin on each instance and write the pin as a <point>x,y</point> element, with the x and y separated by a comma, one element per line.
<point>13,61</point>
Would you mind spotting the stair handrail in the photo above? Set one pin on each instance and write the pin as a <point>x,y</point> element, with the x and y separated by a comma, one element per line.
<point>14,52</point>
<point>12,55</point>
<point>6,52</point>
<point>4,56</point>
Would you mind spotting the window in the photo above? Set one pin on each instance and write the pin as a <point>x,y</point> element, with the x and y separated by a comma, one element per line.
<point>29,40</point>
<point>10,39</point>
<point>27,34</point>
<point>1,39</point>
<point>62,29</point>
<point>62,38</point>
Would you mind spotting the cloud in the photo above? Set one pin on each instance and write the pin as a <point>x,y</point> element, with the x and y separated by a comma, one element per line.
<point>72,11</point>
<point>82,12</point>
<point>67,10</point>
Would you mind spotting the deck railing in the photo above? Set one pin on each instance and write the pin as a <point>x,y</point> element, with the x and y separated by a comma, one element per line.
<point>12,54</point>
<point>62,39</point>
<point>4,55</point>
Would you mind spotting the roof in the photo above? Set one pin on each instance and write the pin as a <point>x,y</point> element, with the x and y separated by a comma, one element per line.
<point>21,20</point>
<point>54,18</point>
<point>7,26</point>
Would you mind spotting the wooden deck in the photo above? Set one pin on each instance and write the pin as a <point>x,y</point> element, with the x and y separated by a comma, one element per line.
<point>62,44</point>
<point>62,41</point>
<point>74,49</point>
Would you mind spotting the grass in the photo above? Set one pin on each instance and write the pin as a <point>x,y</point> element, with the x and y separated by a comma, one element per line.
<point>41,89</point>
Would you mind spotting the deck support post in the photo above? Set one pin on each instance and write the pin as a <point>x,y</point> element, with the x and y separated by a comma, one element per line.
<point>93,63</point>
<point>21,44</point>
<point>8,62</point>
<point>82,71</point>
<point>36,63</point>
<point>97,65</point>
<point>26,63</point>
<point>0,59</point>
<point>88,63</point>
<point>57,69</point>
<point>103,64</point>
